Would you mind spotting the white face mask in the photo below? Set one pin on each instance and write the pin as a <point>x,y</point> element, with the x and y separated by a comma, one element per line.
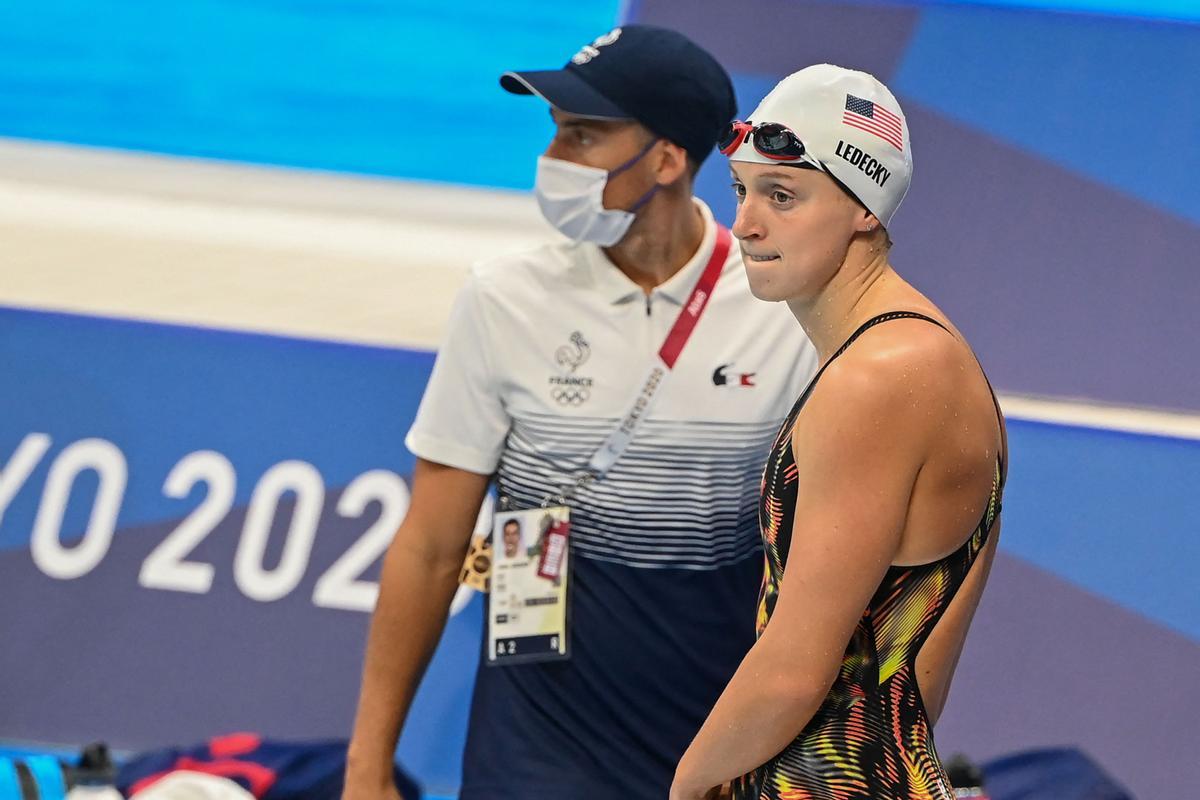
<point>571,197</point>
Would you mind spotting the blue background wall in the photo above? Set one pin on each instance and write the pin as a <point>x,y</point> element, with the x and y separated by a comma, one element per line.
<point>1054,200</point>
<point>1054,213</point>
<point>389,87</point>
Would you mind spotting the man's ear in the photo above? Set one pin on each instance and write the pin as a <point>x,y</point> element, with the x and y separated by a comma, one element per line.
<point>672,163</point>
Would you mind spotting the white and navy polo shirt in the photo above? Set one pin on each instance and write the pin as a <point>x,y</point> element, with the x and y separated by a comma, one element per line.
<point>542,355</point>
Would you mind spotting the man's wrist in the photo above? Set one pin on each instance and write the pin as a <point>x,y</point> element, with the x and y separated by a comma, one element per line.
<point>369,764</point>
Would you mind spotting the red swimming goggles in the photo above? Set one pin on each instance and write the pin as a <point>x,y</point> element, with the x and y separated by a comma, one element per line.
<point>771,140</point>
<point>776,142</point>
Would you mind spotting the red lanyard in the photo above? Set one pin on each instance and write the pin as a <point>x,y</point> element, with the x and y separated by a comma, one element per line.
<point>656,376</point>
<point>697,301</point>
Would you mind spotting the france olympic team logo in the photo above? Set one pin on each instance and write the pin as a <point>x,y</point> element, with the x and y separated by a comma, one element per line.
<point>571,389</point>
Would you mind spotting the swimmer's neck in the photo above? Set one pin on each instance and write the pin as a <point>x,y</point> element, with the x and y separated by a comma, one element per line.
<point>862,288</point>
<point>661,241</point>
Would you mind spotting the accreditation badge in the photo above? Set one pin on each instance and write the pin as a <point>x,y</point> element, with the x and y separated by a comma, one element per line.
<point>527,607</point>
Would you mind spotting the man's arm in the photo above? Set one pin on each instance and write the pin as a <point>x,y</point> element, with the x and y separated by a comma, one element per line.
<point>417,584</point>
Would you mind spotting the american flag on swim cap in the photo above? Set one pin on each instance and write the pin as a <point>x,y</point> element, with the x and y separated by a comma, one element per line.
<point>875,120</point>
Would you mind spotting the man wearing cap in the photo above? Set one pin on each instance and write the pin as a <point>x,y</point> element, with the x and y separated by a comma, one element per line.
<point>628,380</point>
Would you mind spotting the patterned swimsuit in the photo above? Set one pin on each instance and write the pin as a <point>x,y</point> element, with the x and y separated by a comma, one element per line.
<point>871,738</point>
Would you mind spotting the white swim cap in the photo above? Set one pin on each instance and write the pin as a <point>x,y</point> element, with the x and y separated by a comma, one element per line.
<point>849,122</point>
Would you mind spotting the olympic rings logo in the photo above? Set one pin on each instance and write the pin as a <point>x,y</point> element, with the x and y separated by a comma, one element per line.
<point>570,395</point>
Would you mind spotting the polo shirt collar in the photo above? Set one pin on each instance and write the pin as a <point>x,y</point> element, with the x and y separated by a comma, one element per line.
<point>615,287</point>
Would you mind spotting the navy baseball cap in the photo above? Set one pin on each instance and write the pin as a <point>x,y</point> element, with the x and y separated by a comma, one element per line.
<point>653,75</point>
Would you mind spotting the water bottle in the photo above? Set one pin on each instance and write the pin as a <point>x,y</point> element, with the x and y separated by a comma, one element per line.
<point>966,778</point>
<point>93,777</point>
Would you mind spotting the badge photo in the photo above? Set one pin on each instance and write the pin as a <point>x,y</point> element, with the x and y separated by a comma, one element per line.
<point>527,607</point>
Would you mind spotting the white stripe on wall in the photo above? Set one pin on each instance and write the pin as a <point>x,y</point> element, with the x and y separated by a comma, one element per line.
<point>1083,414</point>
<point>296,253</point>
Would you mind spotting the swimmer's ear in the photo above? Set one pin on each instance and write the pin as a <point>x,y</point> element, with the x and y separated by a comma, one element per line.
<point>867,222</point>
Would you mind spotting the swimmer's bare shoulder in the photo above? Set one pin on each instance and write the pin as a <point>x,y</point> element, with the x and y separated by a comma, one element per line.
<point>858,447</point>
<point>897,377</point>
<point>873,423</point>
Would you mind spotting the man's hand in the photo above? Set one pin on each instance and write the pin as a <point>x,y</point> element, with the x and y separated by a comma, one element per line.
<point>361,789</point>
